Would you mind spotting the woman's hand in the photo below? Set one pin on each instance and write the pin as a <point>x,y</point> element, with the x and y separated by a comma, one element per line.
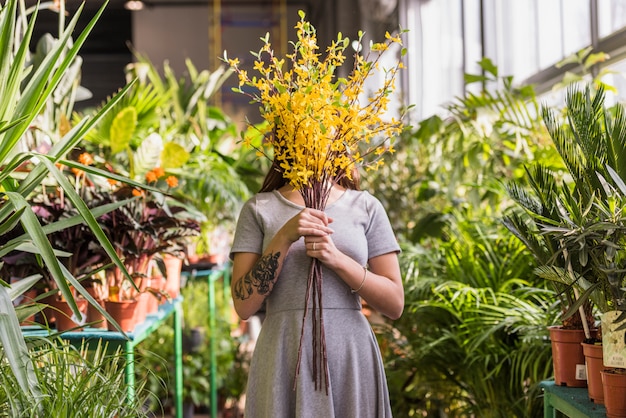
<point>321,247</point>
<point>308,222</point>
<point>380,284</point>
<point>254,275</point>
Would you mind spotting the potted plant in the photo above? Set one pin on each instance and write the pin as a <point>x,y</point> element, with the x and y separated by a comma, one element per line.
<point>144,227</point>
<point>600,241</point>
<point>75,381</point>
<point>542,206</point>
<point>579,221</point>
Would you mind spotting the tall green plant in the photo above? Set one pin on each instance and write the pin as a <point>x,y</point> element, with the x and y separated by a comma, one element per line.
<point>25,92</point>
<point>574,223</point>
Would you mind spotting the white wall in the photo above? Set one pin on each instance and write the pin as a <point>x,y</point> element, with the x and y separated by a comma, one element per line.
<point>173,33</point>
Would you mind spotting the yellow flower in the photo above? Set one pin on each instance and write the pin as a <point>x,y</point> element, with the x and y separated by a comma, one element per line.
<point>319,125</point>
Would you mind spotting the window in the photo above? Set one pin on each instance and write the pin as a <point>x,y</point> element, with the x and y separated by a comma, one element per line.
<point>524,38</point>
<point>611,16</point>
<point>435,41</point>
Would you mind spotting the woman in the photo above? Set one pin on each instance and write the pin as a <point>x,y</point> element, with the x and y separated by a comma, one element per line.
<point>275,239</point>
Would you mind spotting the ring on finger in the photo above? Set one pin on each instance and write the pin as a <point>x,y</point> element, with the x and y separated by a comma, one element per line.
<point>313,246</point>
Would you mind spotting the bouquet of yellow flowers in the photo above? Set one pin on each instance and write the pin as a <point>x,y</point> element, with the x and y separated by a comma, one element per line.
<point>319,127</point>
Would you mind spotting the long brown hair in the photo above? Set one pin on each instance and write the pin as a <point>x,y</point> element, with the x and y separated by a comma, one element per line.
<point>274,179</point>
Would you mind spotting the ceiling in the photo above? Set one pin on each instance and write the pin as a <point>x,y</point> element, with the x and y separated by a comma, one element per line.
<point>95,4</point>
<point>106,51</point>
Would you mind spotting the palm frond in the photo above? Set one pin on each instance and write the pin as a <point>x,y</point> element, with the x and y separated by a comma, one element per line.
<point>616,140</point>
<point>567,147</point>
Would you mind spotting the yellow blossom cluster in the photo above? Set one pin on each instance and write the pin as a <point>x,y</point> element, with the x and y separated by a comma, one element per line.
<point>319,126</point>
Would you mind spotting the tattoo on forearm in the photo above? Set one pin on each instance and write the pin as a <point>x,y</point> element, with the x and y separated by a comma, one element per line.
<point>261,276</point>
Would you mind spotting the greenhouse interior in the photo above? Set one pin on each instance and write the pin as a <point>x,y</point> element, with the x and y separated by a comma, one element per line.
<point>331,208</point>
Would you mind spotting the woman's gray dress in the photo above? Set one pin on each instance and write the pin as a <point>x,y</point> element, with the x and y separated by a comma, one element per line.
<point>358,387</point>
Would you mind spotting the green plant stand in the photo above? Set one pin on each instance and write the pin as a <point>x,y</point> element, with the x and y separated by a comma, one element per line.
<point>212,275</point>
<point>130,340</point>
<point>568,401</point>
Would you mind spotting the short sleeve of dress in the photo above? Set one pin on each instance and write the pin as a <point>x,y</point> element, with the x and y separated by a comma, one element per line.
<point>249,233</point>
<point>380,236</point>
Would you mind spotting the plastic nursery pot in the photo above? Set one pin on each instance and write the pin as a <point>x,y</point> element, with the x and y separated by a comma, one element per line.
<point>614,385</point>
<point>123,312</point>
<point>593,360</point>
<point>567,356</point>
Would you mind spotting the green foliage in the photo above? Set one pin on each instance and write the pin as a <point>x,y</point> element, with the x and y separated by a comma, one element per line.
<point>473,339</point>
<point>26,91</point>
<point>168,121</point>
<point>574,223</point>
<point>154,352</point>
<point>459,160</point>
<point>583,62</point>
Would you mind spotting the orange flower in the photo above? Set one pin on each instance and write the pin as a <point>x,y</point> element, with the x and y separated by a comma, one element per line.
<point>137,192</point>
<point>85,158</point>
<point>77,172</point>
<point>171,181</point>
<point>151,176</point>
<point>112,182</point>
<point>159,172</point>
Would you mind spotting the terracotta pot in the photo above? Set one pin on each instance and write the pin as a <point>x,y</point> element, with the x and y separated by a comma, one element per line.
<point>146,304</point>
<point>151,302</point>
<point>173,268</point>
<point>157,287</point>
<point>64,318</point>
<point>614,384</point>
<point>95,319</point>
<point>567,356</point>
<point>593,360</point>
<point>47,314</point>
<point>123,312</point>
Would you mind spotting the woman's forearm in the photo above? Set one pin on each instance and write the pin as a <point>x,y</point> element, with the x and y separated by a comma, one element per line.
<point>254,276</point>
<point>380,284</point>
<point>259,279</point>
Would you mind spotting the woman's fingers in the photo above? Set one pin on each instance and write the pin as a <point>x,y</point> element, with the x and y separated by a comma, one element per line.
<point>318,244</point>
<point>308,222</point>
<point>314,222</point>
